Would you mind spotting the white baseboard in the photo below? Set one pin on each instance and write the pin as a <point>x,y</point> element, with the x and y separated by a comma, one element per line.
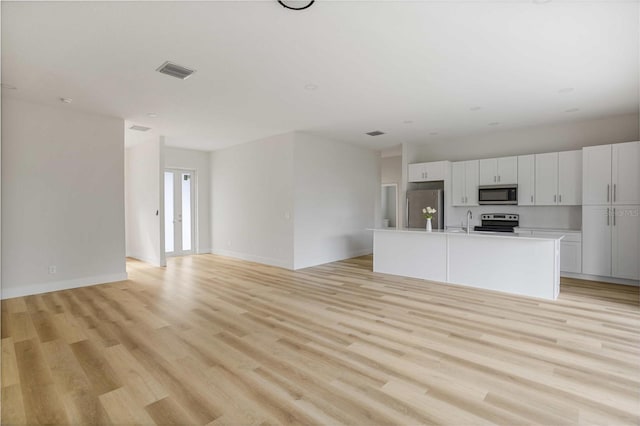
<point>611,280</point>
<point>252,258</point>
<point>27,290</point>
<point>349,255</point>
<point>154,262</point>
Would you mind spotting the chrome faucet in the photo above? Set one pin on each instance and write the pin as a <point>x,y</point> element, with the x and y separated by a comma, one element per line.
<point>469,217</point>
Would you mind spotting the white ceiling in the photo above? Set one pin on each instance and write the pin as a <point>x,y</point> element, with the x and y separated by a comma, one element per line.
<point>376,65</point>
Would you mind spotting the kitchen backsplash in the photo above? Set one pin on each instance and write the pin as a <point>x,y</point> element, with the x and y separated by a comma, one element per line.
<point>560,217</point>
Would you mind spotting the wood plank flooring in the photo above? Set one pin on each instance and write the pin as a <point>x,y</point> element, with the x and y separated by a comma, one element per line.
<point>212,340</point>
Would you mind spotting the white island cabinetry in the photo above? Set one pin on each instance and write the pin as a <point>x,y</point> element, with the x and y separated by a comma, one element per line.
<point>528,266</point>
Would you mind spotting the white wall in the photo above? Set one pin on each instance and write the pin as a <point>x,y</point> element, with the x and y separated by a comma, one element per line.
<point>252,201</point>
<point>198,161</point>
<point>391,169</point>
<point>336,195</point>
<point>532,140</point>
<point>143,206</point>
<point>62,198</point>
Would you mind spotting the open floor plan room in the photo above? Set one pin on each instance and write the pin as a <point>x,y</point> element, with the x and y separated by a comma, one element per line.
<point>362,213</point>
<point>213,340</point>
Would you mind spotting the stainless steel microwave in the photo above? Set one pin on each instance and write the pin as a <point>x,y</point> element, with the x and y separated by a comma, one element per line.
<point>498,194</point>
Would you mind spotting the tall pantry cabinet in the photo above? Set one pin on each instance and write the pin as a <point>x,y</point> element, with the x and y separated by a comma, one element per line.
<point>611,210</point>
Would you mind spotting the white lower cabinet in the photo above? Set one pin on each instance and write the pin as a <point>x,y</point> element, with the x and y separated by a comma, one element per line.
<point>571,256</point>
<point>570,247</point>
<point>625,242</point>
<point>611,241</point>
<point>596,240</point>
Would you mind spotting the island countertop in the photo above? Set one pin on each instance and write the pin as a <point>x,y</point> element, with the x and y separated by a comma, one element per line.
<point>510,235</point>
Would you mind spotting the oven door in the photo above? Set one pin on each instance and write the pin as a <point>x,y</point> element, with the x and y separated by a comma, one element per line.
<point>498,194</point>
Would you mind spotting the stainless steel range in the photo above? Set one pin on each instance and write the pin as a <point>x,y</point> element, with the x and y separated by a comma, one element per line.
<point>498,222</point>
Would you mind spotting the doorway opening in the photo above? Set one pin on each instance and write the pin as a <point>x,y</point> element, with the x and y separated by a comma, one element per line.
<point>389,205</point>
<point>179,212</point>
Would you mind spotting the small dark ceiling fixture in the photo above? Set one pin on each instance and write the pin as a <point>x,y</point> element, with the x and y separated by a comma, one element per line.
<point>175,70</point>
<point>288,4</point>
<point>375,133</point>
<point>140,128</point>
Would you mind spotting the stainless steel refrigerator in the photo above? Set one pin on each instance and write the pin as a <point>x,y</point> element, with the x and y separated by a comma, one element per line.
<point>423,198</point>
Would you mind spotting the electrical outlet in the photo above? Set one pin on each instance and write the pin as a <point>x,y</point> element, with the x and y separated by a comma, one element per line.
<point>228,243</point>
<point>53,269</point>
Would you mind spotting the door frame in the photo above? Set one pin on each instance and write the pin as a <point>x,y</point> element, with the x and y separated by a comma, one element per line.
<point>194,205</point>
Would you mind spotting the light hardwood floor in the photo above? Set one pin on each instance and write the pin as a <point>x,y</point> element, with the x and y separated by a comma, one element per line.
<point>211,340</point>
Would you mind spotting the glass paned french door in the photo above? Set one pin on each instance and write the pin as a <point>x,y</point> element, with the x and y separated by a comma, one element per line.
<point>179,210</point>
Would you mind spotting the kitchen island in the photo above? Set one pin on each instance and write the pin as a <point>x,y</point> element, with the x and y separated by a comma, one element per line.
<point>507,262</point>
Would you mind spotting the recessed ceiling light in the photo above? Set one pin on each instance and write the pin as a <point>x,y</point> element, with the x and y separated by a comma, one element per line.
<point>566,90</point>
<point>541,1</point>
<point>66,100</point>
<point>152,115</point>
<point>8,86</point>
<point>375,133</point>
<point>175,70</point>
<point>475,108</point>
<point>140,128</point>
<point>311,86</point>
<point>407,121</point>
<point>494,123</point>
<point>572,110</point>
<point>434,133</point>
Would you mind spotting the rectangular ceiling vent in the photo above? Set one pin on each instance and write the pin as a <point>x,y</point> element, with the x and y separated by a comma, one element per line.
<point>175,70</point>
<point>375,133</point>
<point>140,128</point>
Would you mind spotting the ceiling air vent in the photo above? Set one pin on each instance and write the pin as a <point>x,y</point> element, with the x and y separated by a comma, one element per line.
<point>140,128</point>
<point>375,133</point>
<point>175,70</point>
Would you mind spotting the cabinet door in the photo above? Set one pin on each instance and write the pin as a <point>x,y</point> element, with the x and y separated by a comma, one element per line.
<point>416,172</point>
<point>471,183</point>
<point>596,175</point>
<point>434,170</point>
<point>626,173</point>
<point>458,183</point>
<point>526,180</point>
<point>570,178</point>
<point>547,179</point>
<point>488,174</point>
<point>596,240</point>
<point>508,170</point>
<point>626,241</point>
<point>570,257</point>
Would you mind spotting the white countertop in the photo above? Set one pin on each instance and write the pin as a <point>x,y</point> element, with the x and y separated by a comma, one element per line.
<point>473,234</point>
<point>526,228</point>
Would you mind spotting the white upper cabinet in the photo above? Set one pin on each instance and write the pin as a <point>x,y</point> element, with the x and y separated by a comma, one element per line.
<point>570,178</point>
<point>611,174</point>
<point>558,178</point>
<point>471,182</point>
<point>546,179</point>
<point>464,185</point>
<point>596,175</point>
<point>498,171</point>
<point>458,183</point>
<point>488,171</point>
<point>426,172</point>
<point>526,180</point>
<point>625,168</point>
<point>508,170</point>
